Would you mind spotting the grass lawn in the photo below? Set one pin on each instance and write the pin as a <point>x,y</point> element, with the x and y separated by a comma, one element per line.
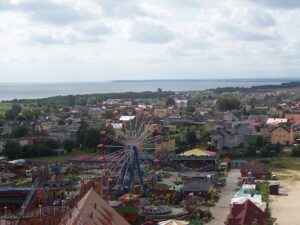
<point>4,107</point>
<point>66,157</point>
<point>282,162</point>
<point>263,189</point>
<point>161,186</point>
<point>285,162</point>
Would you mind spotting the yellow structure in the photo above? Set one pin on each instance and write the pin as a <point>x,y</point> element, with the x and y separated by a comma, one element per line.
<point>283,136</point>
<point>161,113</point>
<point>166,145</point>
<point>198,152</point>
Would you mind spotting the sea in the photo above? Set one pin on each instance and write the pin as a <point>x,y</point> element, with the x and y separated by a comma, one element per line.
<point>10,91</point>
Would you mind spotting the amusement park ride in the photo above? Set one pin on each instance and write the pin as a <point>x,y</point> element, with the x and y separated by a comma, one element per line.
<point>126,166</point>
<point>128,163</point>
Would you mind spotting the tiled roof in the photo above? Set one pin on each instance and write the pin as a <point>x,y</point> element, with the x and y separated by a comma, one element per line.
<point>245,214</point>
<point>92,209</point>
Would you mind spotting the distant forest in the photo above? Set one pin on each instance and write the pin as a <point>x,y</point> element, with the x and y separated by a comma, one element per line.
<point>292,84</point>
<point>91,99</point>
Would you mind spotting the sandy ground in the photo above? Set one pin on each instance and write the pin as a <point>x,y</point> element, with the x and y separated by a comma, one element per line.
<point>285,207</point>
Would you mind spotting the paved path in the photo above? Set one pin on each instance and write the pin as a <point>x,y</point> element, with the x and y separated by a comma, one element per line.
<point>221,210</point>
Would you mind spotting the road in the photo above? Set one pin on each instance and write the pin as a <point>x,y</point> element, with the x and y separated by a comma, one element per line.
<point>222,209</point>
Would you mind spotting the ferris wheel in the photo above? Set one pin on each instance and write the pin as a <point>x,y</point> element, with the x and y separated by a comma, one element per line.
<point>135,139</point>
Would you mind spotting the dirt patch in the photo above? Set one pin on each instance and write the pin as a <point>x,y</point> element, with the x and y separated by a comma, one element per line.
<point>285,207</point>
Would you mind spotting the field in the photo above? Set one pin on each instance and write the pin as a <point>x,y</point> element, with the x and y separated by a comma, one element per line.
<point>285,162</point>
<point>66,157</point>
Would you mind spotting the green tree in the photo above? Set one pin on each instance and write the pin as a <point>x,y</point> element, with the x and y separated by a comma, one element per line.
<point>92,138</point>
<point>81,132</point>
<point>108,114</point>
<point>250,150</point>
<point>19,131</point>
<point>230,103</point>
<point>11,114</point>
<point>16,107</point>
<point>170,101</point>
<point>52,144</point>
<point>12,150</point>
<point>61,122</point>
<point>27,114</point>
<point>191,136</point>
<point>68,145</point>
<point>296,151</point>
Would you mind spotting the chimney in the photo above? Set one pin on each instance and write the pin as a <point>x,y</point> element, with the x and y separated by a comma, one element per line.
<point>91,215</point>
<point>95,206</point>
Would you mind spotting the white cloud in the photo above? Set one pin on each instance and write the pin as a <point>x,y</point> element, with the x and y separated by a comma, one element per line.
<point>148,31</point>
<point>170,38</point>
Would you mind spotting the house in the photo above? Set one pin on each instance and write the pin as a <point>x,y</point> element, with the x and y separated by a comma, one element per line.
<point>282,136</point>
<point>248,192</point>
<point>276,121</point>
<point>161,113</point>
<point>257,169</point>
<point>181,103</point>
<point>246,214</point>
<point>293,118</point>
<point>162,146</point>
<point>92,209</point>
<point>224,138</point>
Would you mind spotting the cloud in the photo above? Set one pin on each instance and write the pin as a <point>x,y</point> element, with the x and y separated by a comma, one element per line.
<point>240,33</point>
<point>132,8</point>
<point>66,37</point>
<point>47,11</point>
<point>96,28</point>
<point>280,4</point>
<point>151,32</point>
<point>262,19</point>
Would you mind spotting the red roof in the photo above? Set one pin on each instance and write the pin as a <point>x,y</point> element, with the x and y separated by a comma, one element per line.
<point>295,118</point>
<point>245,214</point>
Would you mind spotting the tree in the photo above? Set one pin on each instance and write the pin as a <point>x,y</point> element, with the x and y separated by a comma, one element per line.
<point>170,102</point>
<point>230,103</point>
<point>92,138</point>
<point>12,150</point>
<point>296,151</point>
<point>16,107</point>
<point>108,114</point>
<point>61,122</point>
<point>81,132</point>
<point>71,100</point>
<point>27,114</point>
<point>68,145</point>
<point>11,114</point>
<point>19,131</point>
<point>250,150</point>
<point>191,136</point>
<point>52,144</point>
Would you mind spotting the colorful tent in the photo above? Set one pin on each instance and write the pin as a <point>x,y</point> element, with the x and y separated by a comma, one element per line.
<point>199,152</point>
<point>173,222</point>
<point>128,197</point>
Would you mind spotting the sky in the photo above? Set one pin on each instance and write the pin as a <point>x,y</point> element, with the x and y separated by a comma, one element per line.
<point>100,40</point>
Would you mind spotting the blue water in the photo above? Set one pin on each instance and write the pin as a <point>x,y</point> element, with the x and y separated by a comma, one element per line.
<point>9,91</point>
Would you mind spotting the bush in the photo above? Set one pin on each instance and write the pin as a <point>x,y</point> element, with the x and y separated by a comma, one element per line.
<point>296,151</point>
<point>68,145</point>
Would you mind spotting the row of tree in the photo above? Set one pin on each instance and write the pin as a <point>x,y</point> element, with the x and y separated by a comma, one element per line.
<point>13,149</point>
